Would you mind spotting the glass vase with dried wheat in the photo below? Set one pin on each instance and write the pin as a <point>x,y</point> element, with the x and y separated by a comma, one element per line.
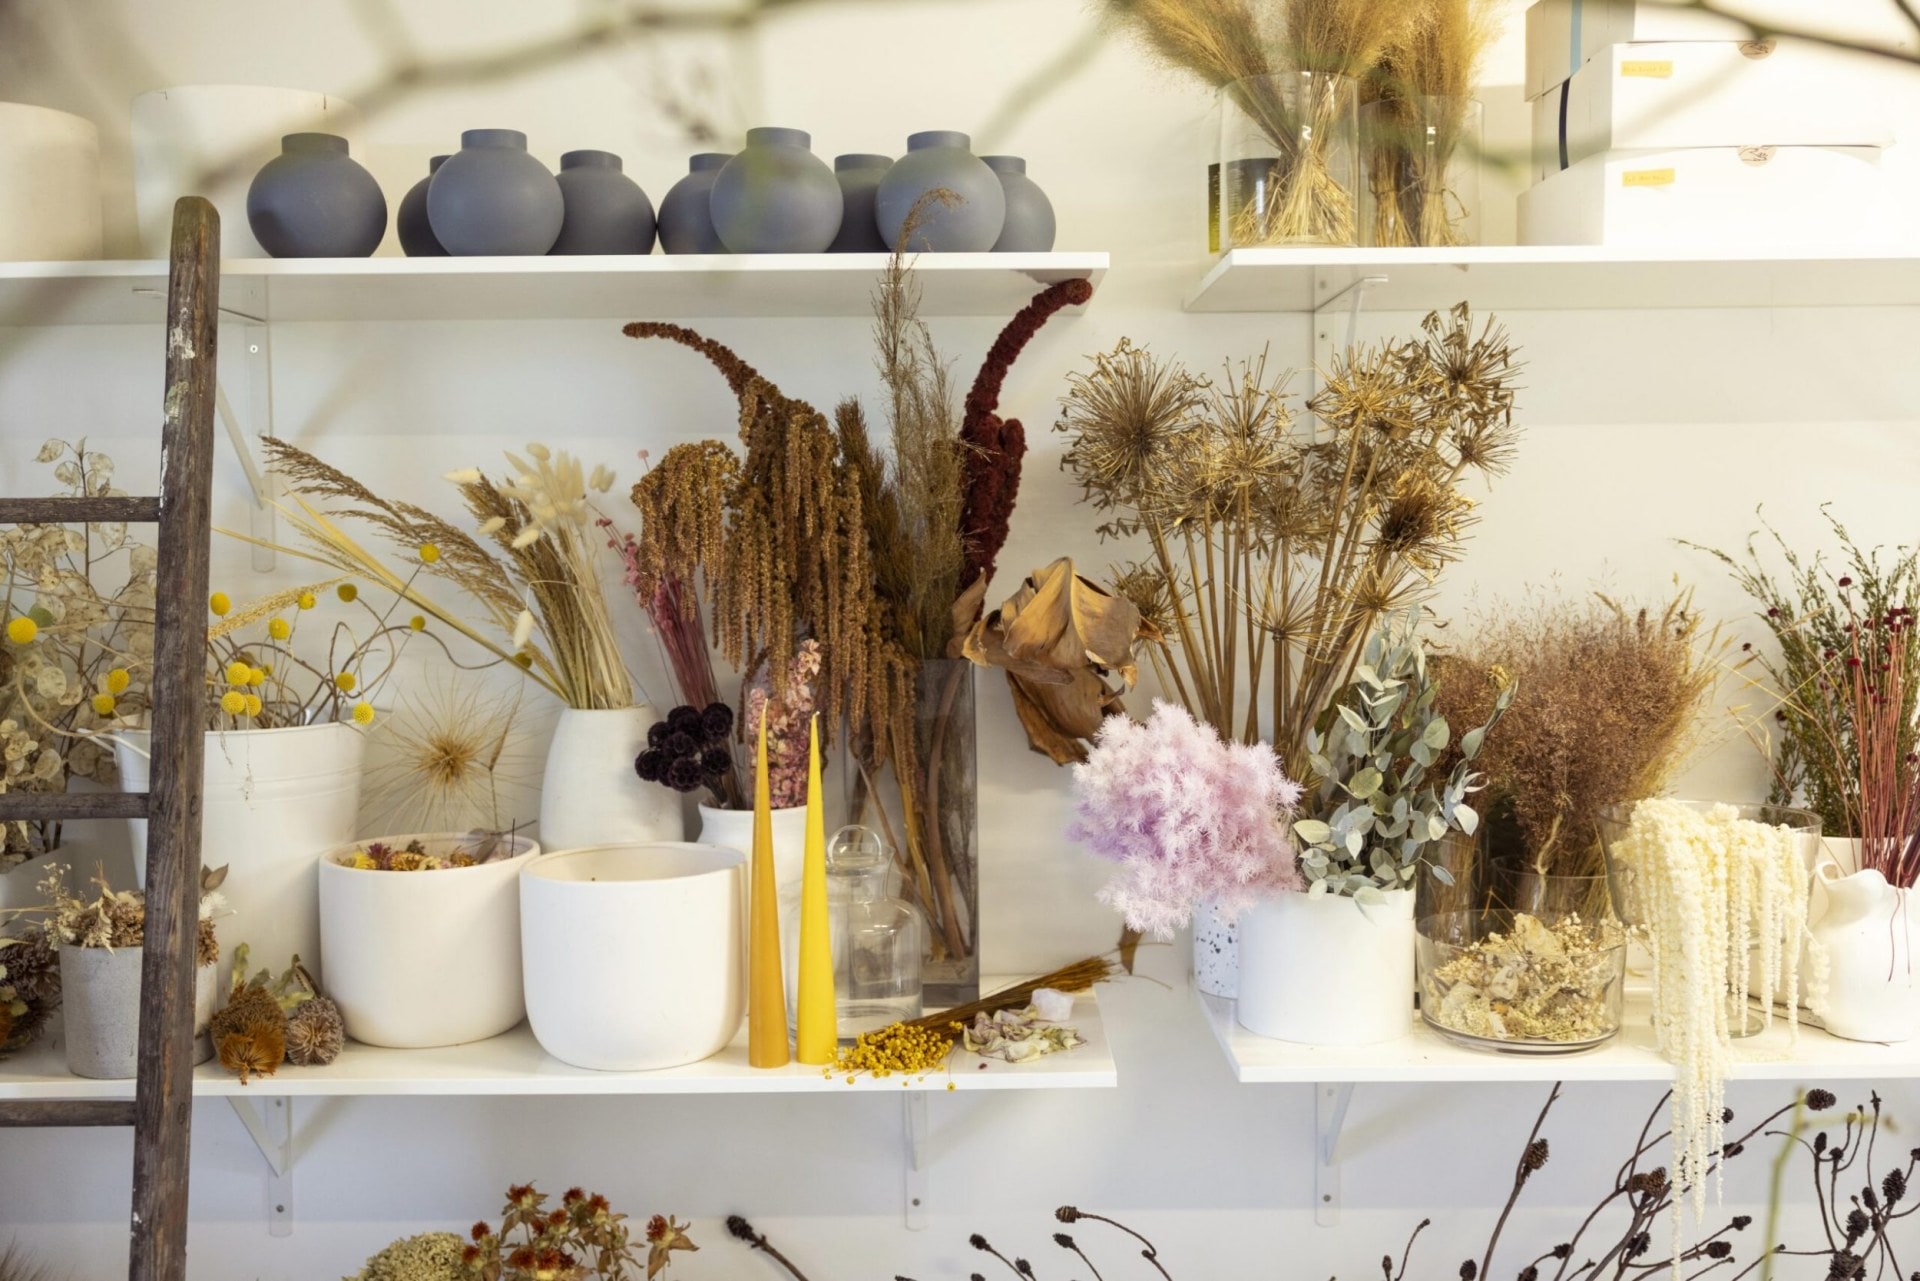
<point>1422,162</point>
<point>1289,146</point>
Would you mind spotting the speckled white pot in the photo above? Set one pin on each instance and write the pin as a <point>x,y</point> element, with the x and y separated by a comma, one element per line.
<point>1216,951</point>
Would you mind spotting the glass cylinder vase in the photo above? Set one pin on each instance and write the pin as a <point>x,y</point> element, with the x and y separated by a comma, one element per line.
<point>923,800</point>
<point>1288,161</point>
<point>1421,160</point>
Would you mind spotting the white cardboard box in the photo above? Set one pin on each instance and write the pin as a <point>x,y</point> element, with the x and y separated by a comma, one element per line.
<point>1715,197</point>
<point>1705,93</point>
<point>1562,35</point>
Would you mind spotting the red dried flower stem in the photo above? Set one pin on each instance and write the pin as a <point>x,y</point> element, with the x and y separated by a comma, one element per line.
<point>1889,782</point>
<point>994,447</point>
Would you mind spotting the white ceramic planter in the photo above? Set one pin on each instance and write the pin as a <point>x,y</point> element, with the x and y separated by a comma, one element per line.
<point>634,956</point>
<point>417,960</point>
<point>49,185</point>
<point>275,800</point>
<point>1321,971</point>
<point>100,1008</point>
<point>210,140</point>
<point>590,794</point>
<point>1870,930</point>
<point>1216,951</point>
<point>734,829</point>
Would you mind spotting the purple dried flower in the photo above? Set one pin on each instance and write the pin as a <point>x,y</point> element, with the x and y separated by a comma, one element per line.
<point>684,720</point>
<point>683,774</point>
<point>1187,816</point>
<point>715,762</point>
<point>716,722</point>
<point>651,765</point>
<point>680,743</point>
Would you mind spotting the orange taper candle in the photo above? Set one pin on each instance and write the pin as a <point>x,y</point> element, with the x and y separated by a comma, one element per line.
<point>817,1035</point>
<point>766,992</point>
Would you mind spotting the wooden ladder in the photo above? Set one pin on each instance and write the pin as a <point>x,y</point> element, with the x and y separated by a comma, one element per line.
<point>161,1112</point>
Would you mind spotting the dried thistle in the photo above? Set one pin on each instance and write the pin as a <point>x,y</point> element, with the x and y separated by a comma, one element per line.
<point>444,756</point>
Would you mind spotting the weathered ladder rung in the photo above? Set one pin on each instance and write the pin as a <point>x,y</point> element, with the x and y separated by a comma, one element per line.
<point>74,511</point>
<point>36,807</point>
<point>58,1113</point>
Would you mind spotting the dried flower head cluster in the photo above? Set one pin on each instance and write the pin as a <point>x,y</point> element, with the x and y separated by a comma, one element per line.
<point>268,1021</point>
<point>29,985</point>
<point>583,1237</point>
<point>1187,816</point>
<point>429,1256</point>
<point>1280,545</point>
<point>1608,709</point>
<point>107,918</point>
<point>689,750</point>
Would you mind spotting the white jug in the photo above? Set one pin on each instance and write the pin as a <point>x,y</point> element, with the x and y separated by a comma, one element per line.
<point>1869,930</point>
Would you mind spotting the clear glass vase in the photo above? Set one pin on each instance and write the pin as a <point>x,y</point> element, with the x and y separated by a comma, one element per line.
<point>1289,161</point>
<point>1421,158</point>
<point>1543,973</point>
<point>924,802</point>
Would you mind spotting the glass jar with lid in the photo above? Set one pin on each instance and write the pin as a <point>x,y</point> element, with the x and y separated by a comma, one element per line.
<point>878,939</point>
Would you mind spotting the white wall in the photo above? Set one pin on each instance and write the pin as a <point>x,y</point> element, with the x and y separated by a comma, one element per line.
<point>1643,428</point>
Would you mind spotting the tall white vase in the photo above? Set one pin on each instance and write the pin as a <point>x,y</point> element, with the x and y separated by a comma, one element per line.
<point>1216,951</point>
<point>734,829</point>
<point>1324,971</point>
<point>49,185</point>
<point>275,800</point>
<point>210,140</point>
<point>590,794</point>
<point>1871,932</point>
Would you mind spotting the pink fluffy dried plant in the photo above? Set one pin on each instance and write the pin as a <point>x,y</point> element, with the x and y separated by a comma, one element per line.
<point>1187,817</point>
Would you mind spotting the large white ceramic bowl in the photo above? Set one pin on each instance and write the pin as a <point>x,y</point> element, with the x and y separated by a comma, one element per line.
<point>634,956</point>
<point>422,959</point>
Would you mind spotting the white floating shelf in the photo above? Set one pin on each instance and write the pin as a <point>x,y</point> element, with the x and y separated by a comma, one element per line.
<point>1425,1056</point>
<point>514,1064</point>
<point>657,287</point>
<point>1555,278</point>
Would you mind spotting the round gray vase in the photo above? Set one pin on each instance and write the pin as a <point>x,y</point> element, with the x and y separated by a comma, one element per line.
<point>859,177</point>
<point>776,196</point>
<point>941,158</point>
<point>686,211</point>
<point>1029,227</point>
<point>607,212</point>
<point>416,233</point>
<point>493,198</point>
<point>313,200</point>
<point>100,1003</point>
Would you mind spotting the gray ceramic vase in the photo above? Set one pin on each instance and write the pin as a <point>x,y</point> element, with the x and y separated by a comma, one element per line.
<point>686,211</point>
<point>100,999</point>
<point>607,213</point>
<point>313,200</point>
<point>1029,225</point>
<point>859,177</point>
<point>941,158</point>
<point>493,198</point>
<point>776,197</point>
<point>416,233</point>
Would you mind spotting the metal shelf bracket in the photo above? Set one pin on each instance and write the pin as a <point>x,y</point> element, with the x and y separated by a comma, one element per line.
<point>1329,1117</point>
<point>269,1120</point>
<point>1324,350</point>
<point>257,350</point>
<point>914,1127</point>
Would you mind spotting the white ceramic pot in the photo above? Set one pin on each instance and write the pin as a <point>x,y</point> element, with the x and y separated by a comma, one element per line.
<point>1216,951</point>
<point>100,1008</point>
<point>49,185</point>
<point>590,794</point>
<point>275,800</point>
<point>210,140</point>
<point>734,829</point>
<point>1323,971</point>
<point>634,956</point>
<point>417,960</point>
<point>1870,930</point>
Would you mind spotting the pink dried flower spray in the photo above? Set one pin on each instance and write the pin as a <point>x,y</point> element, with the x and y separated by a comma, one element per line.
<point>1187,816</point>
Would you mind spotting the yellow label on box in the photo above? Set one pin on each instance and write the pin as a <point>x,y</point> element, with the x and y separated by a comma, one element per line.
<point>1648,68</point>
<point>1646,178</point>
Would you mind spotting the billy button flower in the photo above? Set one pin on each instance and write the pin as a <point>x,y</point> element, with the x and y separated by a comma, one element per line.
<point>279,628</point>
<point>22,630</point>
<point>233,703</point>
<point>307,600</point>
<point>347,592</point>
<point>418,623</point>
<point>239,673</point>
<point>117,680</point>
<point>429,554</point>
<point>253,704</point>
<point>363,713</point>
<point>219,603</point>
<point>103,704</point>
<point>345,681</point>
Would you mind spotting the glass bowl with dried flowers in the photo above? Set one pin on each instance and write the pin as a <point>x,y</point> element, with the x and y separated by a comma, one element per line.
<point>420,934</point>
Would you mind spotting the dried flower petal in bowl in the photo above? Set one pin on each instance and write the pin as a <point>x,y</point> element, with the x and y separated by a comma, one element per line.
<point>1520,983</point>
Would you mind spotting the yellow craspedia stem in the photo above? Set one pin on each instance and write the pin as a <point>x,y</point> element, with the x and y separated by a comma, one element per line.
<point>347,592</point>
<point>238,672</point>
<point>363,713</point>
<point>117,680</point>
<point>257,677</point>
<point>103,704</point>
<point>429,553</point>
<point>253,704</point>
<point>22,630</point>
<point>345,682</point>
<point>220,603</point>
<point>233,703</point>
<point>279,628</point>
<point>307,600</point>
<point>418,622</point>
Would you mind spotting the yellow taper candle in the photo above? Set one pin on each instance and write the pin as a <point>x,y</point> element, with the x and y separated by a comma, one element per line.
<point>817,1035</point>
<point>766,991</point>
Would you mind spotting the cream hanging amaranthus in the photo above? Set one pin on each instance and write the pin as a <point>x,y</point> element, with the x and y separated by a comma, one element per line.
<point>1710,888</point>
